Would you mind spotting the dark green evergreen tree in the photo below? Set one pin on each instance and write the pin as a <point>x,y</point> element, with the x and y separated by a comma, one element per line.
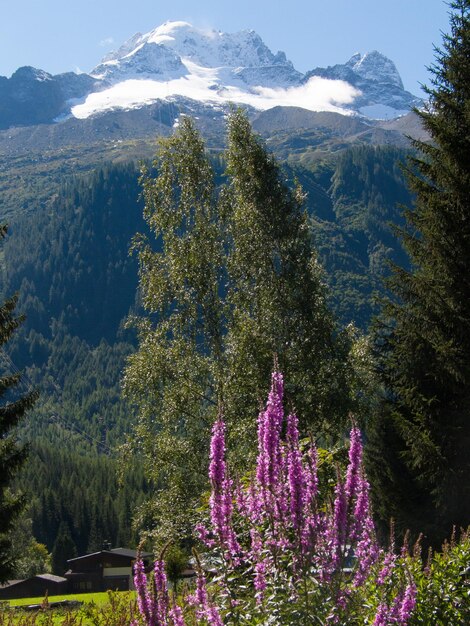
<point>420,439</point>
<point>12,455</point>
<point>63,550</point>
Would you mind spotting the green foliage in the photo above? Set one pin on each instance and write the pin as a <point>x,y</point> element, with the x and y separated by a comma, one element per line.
<point>64,549</point>
<point>31,557</point>
<point>13,407</point>
<point>366,188</point>
<point>276,296</point>
<point>82,494</point>
<point>76,283</point>
<point>173,376</point>
<point>176,561</point>
<point>70,262</point>
<point>232,282</point>
<point>420,439</point>
<point>444,586</point>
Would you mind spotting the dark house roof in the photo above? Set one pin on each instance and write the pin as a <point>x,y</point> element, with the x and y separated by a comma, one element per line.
<point>125,553</point>
<point>131,553</point>
<point>9,583</point>
<point>41,577</point>
<point>52,577</point>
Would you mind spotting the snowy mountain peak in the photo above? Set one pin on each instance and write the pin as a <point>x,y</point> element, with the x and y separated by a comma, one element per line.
<point>207,48</point>
<point>127,47</point>
<point>375,66</point>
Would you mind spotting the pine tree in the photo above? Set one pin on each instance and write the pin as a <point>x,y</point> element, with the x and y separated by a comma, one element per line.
<point>11,454</point>
<point>63,550</point>
<point>420,442</point>
<point>233,282</point>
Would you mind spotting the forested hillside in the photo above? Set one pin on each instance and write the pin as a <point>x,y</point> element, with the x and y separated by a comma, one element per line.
<point>366,191</point>
<point>77,282</point>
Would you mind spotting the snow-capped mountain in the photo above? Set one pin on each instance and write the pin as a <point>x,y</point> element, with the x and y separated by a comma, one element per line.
<point>381,91</point>
<point>209,48</point>
<point>179,61</point>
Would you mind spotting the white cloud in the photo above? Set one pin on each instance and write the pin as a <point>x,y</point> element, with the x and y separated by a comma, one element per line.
<point>108,41</point>
<point>318,94</point>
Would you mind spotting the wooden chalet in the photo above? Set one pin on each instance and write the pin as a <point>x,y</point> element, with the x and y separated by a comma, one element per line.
<point>103,571</point>
<point>34,587</point>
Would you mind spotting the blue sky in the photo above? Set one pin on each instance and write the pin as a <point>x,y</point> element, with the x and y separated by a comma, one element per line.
<point>59,36</point>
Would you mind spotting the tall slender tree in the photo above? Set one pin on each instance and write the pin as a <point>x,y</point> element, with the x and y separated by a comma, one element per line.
<point>231,282</point>
<point>420,440</point>
<point>12,455</point>
<point>174,378</point>
<point>277,294</point>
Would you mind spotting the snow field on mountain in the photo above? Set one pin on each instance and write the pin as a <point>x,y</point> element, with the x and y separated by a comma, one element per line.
<point>211,85</point>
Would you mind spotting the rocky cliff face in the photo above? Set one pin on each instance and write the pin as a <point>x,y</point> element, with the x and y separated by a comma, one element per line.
<point>32,96</point>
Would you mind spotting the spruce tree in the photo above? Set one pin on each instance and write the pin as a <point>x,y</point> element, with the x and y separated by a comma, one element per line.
<point>12,455</point>
<point>63,550</point>
<point>420,439</point>
<point>230,283</point>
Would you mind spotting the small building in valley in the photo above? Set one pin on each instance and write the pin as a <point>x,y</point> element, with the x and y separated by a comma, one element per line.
<point>103,570</point>
<point>35,587</point>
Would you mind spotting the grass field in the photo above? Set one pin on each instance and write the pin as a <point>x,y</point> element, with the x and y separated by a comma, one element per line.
<point>98,609</point>
<point>98,598</point>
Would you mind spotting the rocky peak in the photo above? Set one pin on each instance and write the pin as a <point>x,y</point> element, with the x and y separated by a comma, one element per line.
<point>208,48</point>
<point>28,73</point>
<point>375,66</point>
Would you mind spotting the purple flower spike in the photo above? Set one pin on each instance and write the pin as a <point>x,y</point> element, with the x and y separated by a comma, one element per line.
<point>176,616</point>
<point>382,615</point>
<point>161,591</point>
<point>295,471</point>
<point>213,617</point>
<point>312,476</point>
<point>355,462</point>
<point>140,583</point>
<point>270,463</point>
<point>362,508</point>
<point>217,454</point>
<point>201,598</point>
<point>388,565</point>
<point>408,604</point>
<point>221,496</point>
